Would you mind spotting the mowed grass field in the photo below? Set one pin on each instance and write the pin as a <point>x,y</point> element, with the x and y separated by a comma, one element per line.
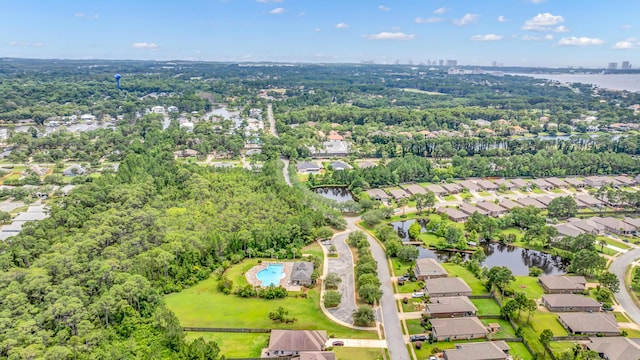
<point>234,345</point>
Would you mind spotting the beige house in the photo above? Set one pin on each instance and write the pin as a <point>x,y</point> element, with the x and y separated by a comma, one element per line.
<point>447,286</point>
<point>590,323</point>
<point>465,328</point>
<point>490,350</point>
<point>427,268</point>
<point>560,284</point>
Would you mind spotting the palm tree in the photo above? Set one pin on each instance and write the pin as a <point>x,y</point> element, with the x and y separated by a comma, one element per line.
<point>602,243</point>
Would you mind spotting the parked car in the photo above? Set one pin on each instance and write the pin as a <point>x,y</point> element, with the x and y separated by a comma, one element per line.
<point>418,294</point>
<point>403,278</point>
<point>433,358</point>
<point>338,343</point>
<point>415,338</point>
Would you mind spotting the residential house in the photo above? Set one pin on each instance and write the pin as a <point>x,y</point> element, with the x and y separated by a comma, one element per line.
<point>586,201</point>
<point>507,184</point>
<point>614,225</point>
<point>487,185</point>
<point>624,180</point>
<point>636,180</point>
<point>568,230</point>
<point>570,302</point>
<point>560,284</point>
<point>398,194</point>
<point>452,188</point>
<point>366,164</point>
<point>465,328</point>
<point>595,181</point>
<point>470,209</point>
<point>74,170</point>
<point>633,222</point>
<point>528,201</point>
<point>316,355</point>
<point>509,204</point>
<point>414,189</point>
<point>333,135</point>
<point>575,182</point>
<point>339,165</point>
<point>287,343</point>
<point>521,184</point>
<point>557,183</point>
<point>454,214</point>
<point>302,273</point>
<point>447,286</point>
<point>615,347</point>
<point>545,200</point>
<point>586,225</point>
<point>427,268</point>
<point>436,189</point>
<point>491,208</point>
<point>306,167</point>
<point>488,350</point>
<point>450,307</point>
<point>590,323</point>
<point>469,185</point>
<point>378,194</point>
<point>185,153</point>
<point>542,184</point>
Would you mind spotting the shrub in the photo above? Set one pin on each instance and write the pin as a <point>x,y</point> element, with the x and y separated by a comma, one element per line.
<point>418,345</point>
<point>535,271</point>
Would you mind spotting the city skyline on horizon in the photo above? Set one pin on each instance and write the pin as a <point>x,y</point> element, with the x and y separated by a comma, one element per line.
<point>518,33</point>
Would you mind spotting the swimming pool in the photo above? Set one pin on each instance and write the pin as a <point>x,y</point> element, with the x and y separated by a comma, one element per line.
<point>271,275</point>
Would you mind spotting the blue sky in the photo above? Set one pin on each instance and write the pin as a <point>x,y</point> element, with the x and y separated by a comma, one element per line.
<point>588,33</point>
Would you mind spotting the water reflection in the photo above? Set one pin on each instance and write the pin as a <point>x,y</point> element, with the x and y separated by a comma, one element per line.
<point>339,194</point>
<point>402,227</point>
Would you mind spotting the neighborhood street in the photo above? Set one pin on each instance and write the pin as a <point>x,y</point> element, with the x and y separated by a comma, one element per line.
<point>619,266</point>
<point>343,266</point>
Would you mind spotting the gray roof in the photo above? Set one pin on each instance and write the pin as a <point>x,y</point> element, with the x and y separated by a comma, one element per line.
<point>632,221</point>
<point>527,201</point>
<point>504,182</point>
<point>297,340</point>
<point>453,213</point>
<point>491,350</point>
<point>568,230</point>
<point>587,200</point>
<point>569,300</point>
<point>470,209</point>
<point>452,187</point>
<point>450,304</point>
<point>486,184</point>
<point>574,181</point>
<point>613,223</point>
<point>365,164</point>
<point>79,170</point>
<point>316,355</point>
<point>460,327</point>
<point>615,348</point>
<point>414,189</point>
<point>428,266</point>
<point>446,285</point>
<point>586,224</point>
<point>509,204</point>
<point>556,182</point>
<point>623,179</point>
<point>339,165</point>
<point>436,189</point>
<point>519,183</point>
<point>585,322</point>
<point>302,271</point>
<point>377,194</point>
<point>398,193</point>
<point>468,184</point>
<point>545,200</point>
<point>14,227</point>
<point>541,183</point>
<point>561,282</point>
<point>489,206</point>
<point>308,166</point>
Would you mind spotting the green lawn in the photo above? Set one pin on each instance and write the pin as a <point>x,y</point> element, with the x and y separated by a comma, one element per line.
<point>632,333</point>
<point>557,191</point>
<point>410,287</point>
<point>618,244</point>
<point>538,191</point>
<point>411,306</point>
<point>513,230</point>
<point>558,347</point>
<point>620,317</point>
<point>450,198</point>
<point>465,195</point>
<point>430,239</point>
<point>486,306</point>
<point>204,306</point>
<point>540,321</point>
<point>401,267</point>
<point>483,193</point>
<point>414,327</point>
<point>343,353</point>
<point>506,330</point>
<point>519,350</point>
<point>529,285</point>
<point>235,345</point>
<point>428,349</point>
<point>477,286</point>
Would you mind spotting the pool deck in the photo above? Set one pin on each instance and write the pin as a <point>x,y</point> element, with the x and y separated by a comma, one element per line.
<point>287,268</point>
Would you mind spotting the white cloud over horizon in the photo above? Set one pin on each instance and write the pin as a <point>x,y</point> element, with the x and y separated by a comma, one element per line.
<point>144,45</point>
<point>580,41</point>
<point>627,44</point>
<point>502,19</point>
<point>547,37</point>
<point>543,22</point>
<point>341,25</point>
<point>430,20</point>
<point>390,36</point>
<point>440,11</point>
<point>277,11</point>
<point>487,37</point>
<point>467,19</point>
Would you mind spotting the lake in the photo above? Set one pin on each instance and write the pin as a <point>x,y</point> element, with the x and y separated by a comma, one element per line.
<point>519,260</point>
<point>339,194</point>
<point>629,82</point>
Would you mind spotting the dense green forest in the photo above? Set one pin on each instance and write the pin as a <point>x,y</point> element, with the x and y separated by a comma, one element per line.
<point>87,282</point>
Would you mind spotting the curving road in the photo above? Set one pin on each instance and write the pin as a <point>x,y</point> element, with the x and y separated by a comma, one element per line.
<point>343,266</point>
<point>619,266</point>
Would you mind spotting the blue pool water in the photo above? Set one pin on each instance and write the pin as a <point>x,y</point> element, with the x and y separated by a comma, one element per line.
<point>271,275</point>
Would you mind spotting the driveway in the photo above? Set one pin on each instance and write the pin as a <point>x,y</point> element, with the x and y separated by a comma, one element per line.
<point>343,266</point>
<point>619,266</point>
<point>366,343</point>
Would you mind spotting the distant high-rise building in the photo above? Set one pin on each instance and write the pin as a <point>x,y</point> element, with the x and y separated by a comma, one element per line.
<point>452,62</point>
<point>613,65</point>
<point>626,65</point>
<point>440,62</point>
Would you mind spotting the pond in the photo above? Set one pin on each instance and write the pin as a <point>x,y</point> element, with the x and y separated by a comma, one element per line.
<point>339,194</point>
<point>519,260</point>
<point>402,227</point>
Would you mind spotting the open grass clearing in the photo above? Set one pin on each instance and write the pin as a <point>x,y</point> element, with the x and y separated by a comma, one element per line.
<point>476,285</point>
<point>612,242</point>
<point>558,347</point>
<point>414,327</point>
<point>505,331</point>
<point>450,198</point>
<point>518,350</point>
<point>486,306</point>
<point>529,285</point>
<point>234,345</point>
<point>412,305</point>
<point>345,353</point>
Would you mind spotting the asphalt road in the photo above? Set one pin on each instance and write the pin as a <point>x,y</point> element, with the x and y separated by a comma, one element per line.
<point>388,313</point>
<point>343,266</point>
<point>619,266</point>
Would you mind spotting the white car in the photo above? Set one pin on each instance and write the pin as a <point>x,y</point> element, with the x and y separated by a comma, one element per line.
<point>417,295</point>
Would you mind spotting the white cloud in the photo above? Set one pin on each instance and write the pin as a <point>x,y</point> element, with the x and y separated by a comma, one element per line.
<point>547,37</point>
<point>384,8</point>
<point>501,18</point>
<point>302,14</point>
<point>390,36</point>
<point>488,37</point>
<point>630,43</point>
<point>625,27</point>
<point>342,26</point>
<point>430,20</point>
<point>144,45</point>
<point>317,30</point>
<point>440,11</point>
<point>277,11</point>
<point>579,41</point>
<point>542,22</point>
<point>561,29</point>
<point>26,44</point>
<point>86,16</point>
<point>466,19</point>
